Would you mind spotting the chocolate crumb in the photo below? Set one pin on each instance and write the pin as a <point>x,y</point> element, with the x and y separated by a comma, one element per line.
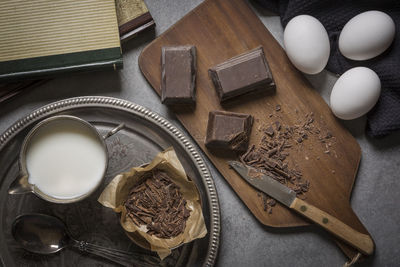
<point>328,135</point>
<point>271,202</point>
<point>264,201</point>
<point>278,125</point>
<point>270,131</point>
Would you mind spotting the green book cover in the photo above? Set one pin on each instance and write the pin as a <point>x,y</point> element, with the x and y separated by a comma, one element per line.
<point>45,37</point>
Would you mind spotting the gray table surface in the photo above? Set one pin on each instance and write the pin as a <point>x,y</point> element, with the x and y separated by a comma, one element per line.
<point>244,241</point>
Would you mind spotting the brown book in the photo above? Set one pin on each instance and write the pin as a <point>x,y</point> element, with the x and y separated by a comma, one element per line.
<point>133,17</point>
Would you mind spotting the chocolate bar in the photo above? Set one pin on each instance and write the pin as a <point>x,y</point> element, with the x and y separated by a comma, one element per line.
<point>228,130</point>
<point>247,72</point>
<point>178,75</point>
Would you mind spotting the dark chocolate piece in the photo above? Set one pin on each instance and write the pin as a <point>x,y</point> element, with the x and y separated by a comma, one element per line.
<point>228,130</point>
<point>247,72</point>
<point>178,75</point>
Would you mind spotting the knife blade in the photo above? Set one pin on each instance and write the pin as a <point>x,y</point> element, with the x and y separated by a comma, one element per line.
<point>287,197</point>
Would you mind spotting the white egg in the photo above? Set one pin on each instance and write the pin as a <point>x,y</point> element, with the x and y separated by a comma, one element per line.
<point>307,44</point>
<point>366,35</point>
<point>355,93</point>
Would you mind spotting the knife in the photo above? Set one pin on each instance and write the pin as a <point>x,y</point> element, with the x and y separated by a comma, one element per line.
<point>287,197</point>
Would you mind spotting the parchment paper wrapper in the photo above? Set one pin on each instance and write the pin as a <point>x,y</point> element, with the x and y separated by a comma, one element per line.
<point>116,193</point>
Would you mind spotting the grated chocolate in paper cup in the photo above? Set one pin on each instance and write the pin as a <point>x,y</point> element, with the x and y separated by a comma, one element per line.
<point>118,190</point>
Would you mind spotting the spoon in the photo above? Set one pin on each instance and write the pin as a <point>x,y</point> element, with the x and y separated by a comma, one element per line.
<point>45,234</point>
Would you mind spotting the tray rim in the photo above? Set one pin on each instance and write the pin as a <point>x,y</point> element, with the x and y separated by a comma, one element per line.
<point>152,117</point>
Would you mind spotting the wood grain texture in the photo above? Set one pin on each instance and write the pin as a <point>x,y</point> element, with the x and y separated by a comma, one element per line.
<point>222,29</point>
<point>362,242</point>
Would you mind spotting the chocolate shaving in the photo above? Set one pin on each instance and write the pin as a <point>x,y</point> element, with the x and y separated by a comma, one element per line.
<point>236,141</point>
<point>157,203</point>
<point>270,156</point>
<point>270,131</point>
<point>278,125</point>
<point>267,202</point>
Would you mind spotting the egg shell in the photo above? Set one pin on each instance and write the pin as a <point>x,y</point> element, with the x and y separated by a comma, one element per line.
<point>307,44</point>
<point>366,35</point>
<point>355,93</point>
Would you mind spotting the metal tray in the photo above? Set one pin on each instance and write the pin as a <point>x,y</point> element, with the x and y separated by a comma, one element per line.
<point>146,133</point>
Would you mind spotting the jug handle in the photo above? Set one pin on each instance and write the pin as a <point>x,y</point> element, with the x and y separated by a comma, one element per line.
<point>113,131</point>
<point>20,185</point>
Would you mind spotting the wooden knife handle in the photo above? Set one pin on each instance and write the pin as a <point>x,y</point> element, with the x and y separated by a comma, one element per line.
<point>360,241</point>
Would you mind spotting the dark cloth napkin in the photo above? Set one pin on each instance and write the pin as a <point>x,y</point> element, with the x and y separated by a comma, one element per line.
<point>334,14</point>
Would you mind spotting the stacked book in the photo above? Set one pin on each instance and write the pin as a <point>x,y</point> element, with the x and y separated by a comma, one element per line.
<point>41,38</point>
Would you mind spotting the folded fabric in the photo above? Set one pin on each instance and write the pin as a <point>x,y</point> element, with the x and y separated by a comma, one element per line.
<point>384,118</point>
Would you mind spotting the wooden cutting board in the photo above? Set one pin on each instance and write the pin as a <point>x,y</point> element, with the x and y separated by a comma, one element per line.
<point>221,29</point>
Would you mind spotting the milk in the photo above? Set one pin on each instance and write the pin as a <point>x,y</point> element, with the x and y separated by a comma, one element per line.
<point>65,159</point>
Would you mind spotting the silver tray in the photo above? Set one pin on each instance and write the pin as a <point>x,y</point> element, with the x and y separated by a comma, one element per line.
<point>146,133</point>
